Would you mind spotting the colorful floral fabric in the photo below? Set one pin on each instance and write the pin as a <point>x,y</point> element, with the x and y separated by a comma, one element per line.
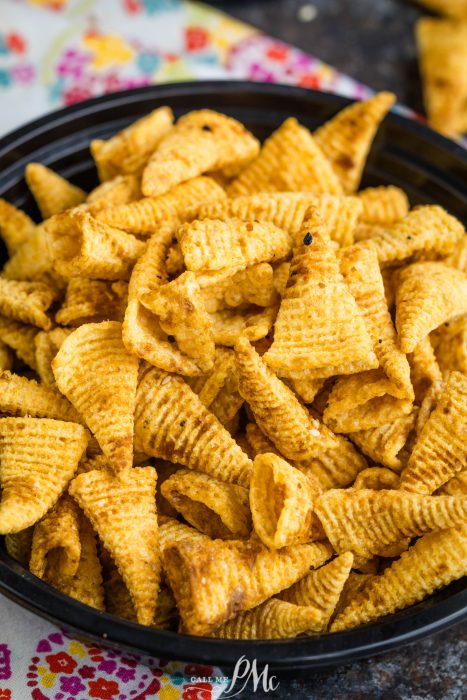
<point>54,53</point>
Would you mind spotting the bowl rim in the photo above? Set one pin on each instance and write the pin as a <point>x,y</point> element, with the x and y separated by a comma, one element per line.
<point>321,651</point>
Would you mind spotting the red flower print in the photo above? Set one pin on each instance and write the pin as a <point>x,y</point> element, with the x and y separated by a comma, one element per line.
<point>15,43</point>
<point>87,672</point>
<point>309,81</point>
<point>196,38</point>
<point>5,694</point>
<point>76,93</point>
<point>132,6</point>
<point>61,662</point>
<point>277,52</point>
<point>198,691</point>
<point>103,689</point>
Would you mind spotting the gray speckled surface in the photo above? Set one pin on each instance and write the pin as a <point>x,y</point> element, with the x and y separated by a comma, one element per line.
<point>373,41</point>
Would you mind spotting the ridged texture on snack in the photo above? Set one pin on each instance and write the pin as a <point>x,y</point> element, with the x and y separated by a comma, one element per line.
<point>274,619</point>
<point>277,410</point>
<point>383,205</point>
<point>122,510</point>
<point>364,521</point>
<point>212,244</point>
<point>440,448</point>
<point>384,444</point>
<point>91,301</point>
<point>39,456</point>
<point>27,302</point>
<point>426,229</point>
<point>427,295</point>
<point>346,139</point>
<point>15,226</point>
<point>321,588</point>
<point>433,562</point>
<point>216,508</point>
<point>289,160</point>
<point>20,396</point>
<point>359,265</point>
<point>319,329</point>
<point>129,150</point>
<point>56,545</point>
<point>20,338</point>
<point>97,374</point>
<point>281,501</point>
<point>51,191</point>
<point>18,545</point>
<point>213,580</point>
<point>173,424</point>
<point>82,246</point>
<point>145,216</point>
<point>424,368</point>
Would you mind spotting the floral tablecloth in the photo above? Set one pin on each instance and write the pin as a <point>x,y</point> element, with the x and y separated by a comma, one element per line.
<point>54,53</point>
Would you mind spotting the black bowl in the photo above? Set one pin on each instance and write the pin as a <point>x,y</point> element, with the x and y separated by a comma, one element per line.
<point>406,153</point>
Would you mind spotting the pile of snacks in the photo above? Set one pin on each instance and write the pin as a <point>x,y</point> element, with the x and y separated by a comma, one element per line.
<point>442,47</point>
<point>233,387</point>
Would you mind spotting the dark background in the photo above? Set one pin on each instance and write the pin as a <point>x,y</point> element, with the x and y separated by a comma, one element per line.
<point>373,42</point>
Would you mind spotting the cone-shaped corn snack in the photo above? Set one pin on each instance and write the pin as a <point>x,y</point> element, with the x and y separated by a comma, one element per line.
<point>321,589</point>
<point>443,55</point>
<point>362,401</point>
<point>27,302</point>
<point>81,246</point>
<point>208,385</point>
<point>51,191</point>
<point>289,160</point>
<point>440,448</point>
<point>91,301</point>
<point>213,580</point>
<point>200,141</point>
<point>433,562</point>
<point>427,295</point>
<point>377,479</point>
<point>181,312</point>
<point>20,338</point>
<point>252,285</point>
<point>212,244</point>
<point>319,329</point>
<point>364,521</point>
<point>46,347</point>
<point>97,374</point>
<point>307,388</point>
<point>277,410</point>
<point>33,261</point>
<point>281,501</point>
<point>456,486</point>
<point>172,423</point>
<point>86,585</point>
<point>18,545</point>
<point>123,513</point>
<point>20,396</point>
<point>172,531</point>
<point>15,226</point>
<point>218,509</point>
<point>355,583</point>
<point>346,139</point>
<point>385,443</point>
<point>122,189</point>
<point>38,458</point>
<point>359,265</point>
<point>424,230</point>
<point>253,323</point>
<point>424,368</point>
<point>287,210</point>
<point>383,205</point>
<point>129,150</point>
<point>450,342</point>
<point>274,619</point>
<point>145,216</point>
<point>56,545</point>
